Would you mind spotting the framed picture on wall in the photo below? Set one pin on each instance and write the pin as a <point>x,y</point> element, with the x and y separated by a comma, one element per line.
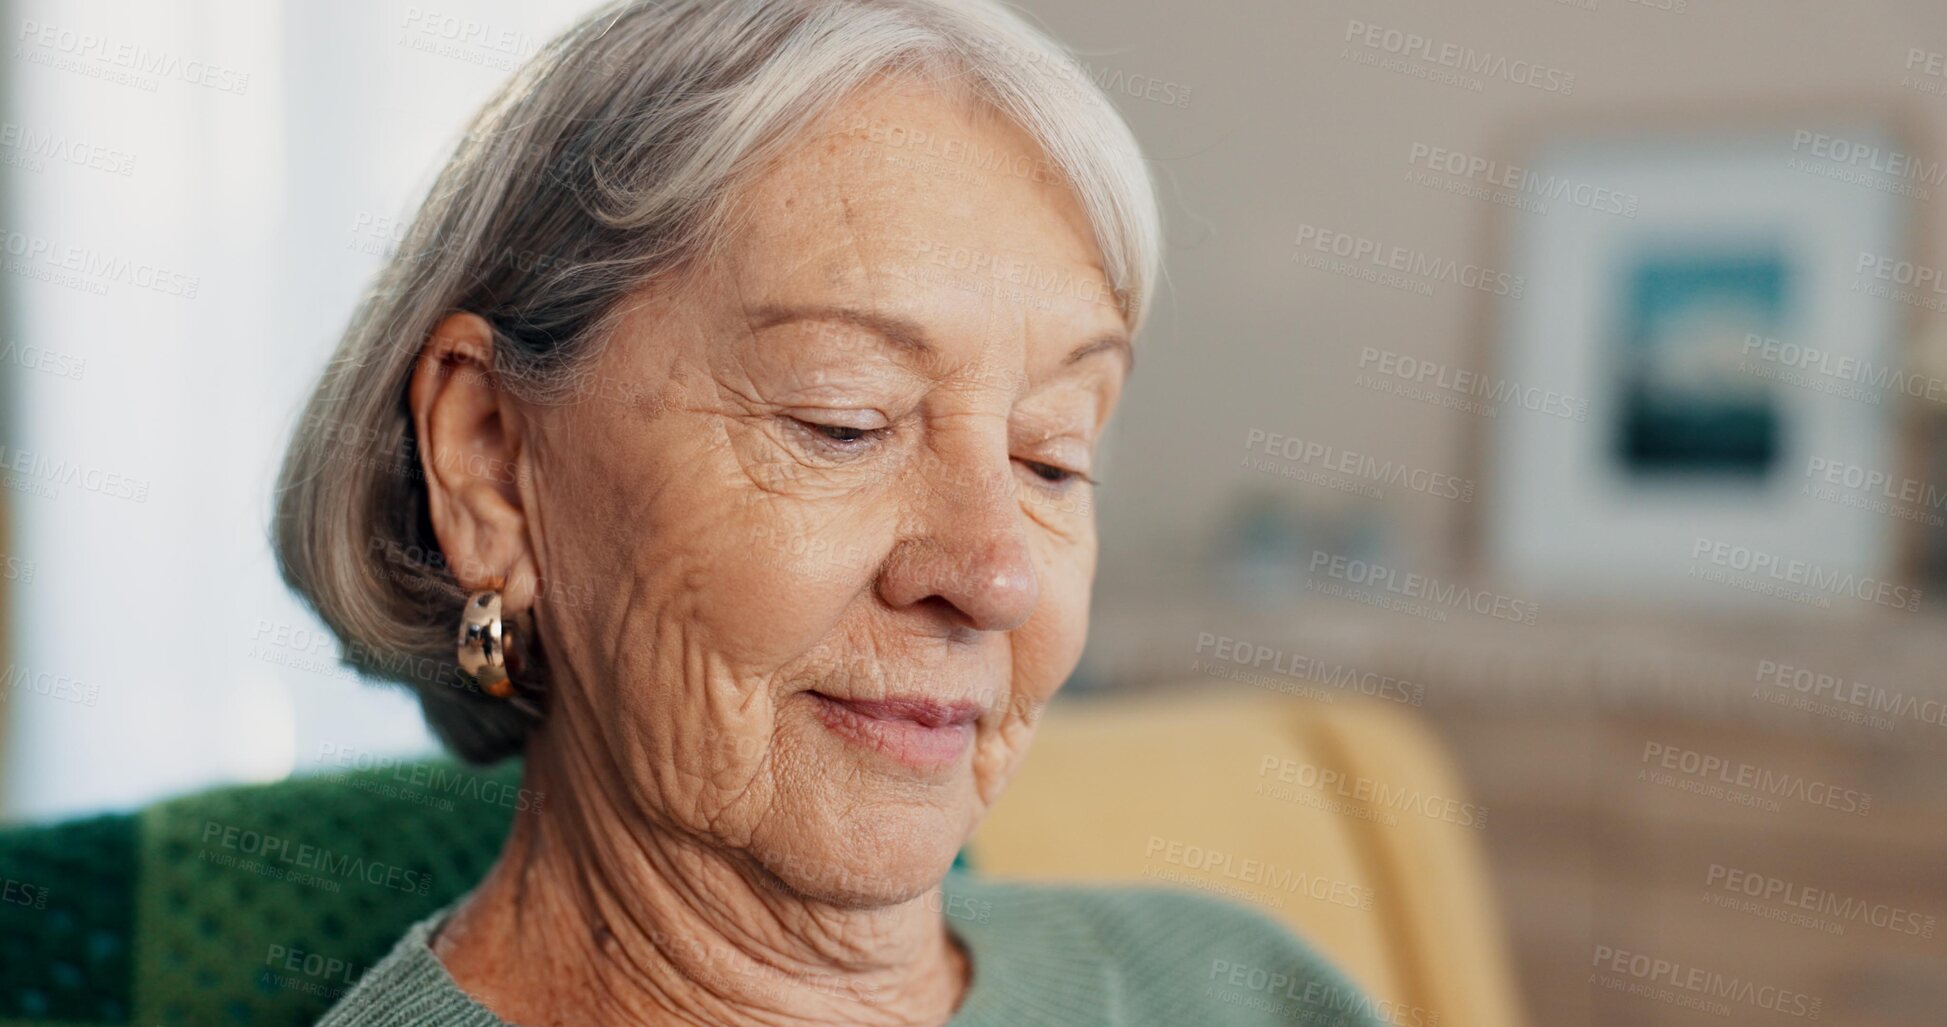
<point>1730,323</point>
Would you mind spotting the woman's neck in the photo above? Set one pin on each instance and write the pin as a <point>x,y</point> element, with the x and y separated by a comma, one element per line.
<point>592,916</point>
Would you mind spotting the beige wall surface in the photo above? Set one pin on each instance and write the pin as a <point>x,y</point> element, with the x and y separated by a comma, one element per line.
<point>1259,122</point>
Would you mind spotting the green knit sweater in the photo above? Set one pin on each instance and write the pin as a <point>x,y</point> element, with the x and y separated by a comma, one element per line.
<point>1041,955</point>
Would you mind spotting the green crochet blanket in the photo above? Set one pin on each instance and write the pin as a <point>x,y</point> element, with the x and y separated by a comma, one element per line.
<point>251,905</point>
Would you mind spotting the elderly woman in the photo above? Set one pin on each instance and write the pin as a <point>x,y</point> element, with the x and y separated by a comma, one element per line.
<point>753,355</point>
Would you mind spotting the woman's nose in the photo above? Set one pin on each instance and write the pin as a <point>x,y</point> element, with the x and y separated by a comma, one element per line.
<point>969,552</point>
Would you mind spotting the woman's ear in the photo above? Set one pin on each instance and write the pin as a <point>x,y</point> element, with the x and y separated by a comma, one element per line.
<point>468,430</point>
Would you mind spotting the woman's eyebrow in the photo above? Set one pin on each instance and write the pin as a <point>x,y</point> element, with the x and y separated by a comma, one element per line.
<point>910,335</point>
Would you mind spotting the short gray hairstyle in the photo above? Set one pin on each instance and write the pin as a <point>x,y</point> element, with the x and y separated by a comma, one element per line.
<point>607,162</point>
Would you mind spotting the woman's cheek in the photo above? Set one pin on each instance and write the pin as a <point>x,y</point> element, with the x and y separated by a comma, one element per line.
<point>786,572</point>
<point>1055,636</point>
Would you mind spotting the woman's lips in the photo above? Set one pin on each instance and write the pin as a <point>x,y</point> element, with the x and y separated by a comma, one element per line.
<point>917,732</point>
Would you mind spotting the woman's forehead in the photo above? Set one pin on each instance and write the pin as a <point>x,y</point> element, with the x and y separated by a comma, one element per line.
<point>960,223</point>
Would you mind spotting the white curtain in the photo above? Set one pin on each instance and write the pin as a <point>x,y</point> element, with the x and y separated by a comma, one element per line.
<point>196,193</point>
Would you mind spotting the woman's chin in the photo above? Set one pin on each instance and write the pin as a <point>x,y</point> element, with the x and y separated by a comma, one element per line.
<point>870,852</point>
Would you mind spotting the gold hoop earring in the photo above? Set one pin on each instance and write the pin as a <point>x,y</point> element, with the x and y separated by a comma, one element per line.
<point>486,648</point>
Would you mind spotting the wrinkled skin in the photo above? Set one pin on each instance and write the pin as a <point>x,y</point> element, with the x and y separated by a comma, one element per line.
<point>785,501</point>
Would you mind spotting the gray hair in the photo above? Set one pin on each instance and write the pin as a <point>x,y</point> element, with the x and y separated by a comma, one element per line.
<point>606,162</point>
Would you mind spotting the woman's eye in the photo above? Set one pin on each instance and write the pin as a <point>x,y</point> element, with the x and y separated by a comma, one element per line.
<point>1053,474</point>
<point>840,436</point>
<point>841,432</point>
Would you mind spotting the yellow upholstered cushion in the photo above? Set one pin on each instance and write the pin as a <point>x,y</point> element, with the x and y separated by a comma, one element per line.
<point>1341,819</point>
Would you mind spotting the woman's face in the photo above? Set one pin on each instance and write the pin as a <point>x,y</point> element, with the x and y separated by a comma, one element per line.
<point>828,504</point>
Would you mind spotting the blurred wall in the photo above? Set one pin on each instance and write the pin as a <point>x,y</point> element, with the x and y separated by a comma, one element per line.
<point>1281,130</point>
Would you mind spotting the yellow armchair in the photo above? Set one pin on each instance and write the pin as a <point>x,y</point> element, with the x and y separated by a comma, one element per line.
<point>1343,820</point>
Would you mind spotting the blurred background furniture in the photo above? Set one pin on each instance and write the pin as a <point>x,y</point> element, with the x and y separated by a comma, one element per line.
<point>1345,821</point>
<point>262,904</point>
<point>1549,723</point>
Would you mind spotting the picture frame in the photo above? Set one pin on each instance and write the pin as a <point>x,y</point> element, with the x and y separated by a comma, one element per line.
<point>1718,300</point>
